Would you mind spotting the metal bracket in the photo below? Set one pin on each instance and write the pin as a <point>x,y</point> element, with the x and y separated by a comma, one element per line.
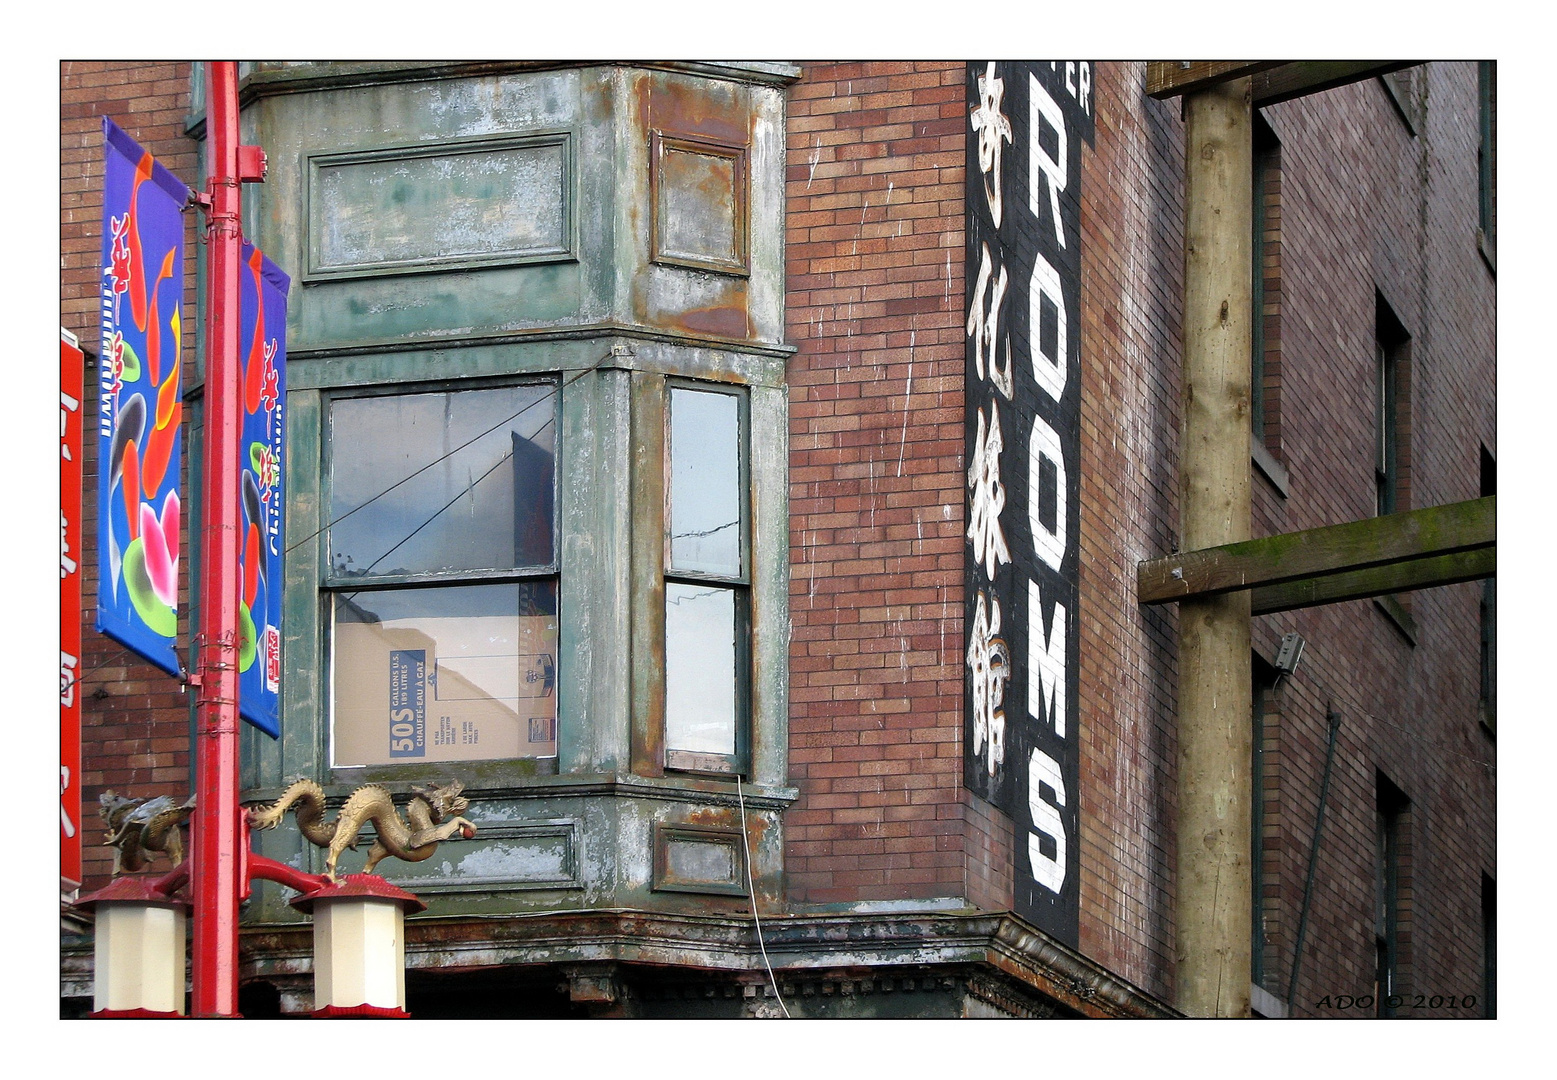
<point>251,164</point>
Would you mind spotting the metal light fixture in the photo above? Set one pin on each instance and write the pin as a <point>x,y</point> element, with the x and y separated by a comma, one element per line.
<point>1289,654</point>
<point>359,946</point>
<point>138,951</point>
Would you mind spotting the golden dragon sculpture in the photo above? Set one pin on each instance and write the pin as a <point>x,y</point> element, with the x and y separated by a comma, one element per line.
<point>431,817</point>
<point>139,828</point>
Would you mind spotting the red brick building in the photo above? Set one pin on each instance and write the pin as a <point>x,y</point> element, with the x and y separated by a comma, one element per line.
<point>884,853</point>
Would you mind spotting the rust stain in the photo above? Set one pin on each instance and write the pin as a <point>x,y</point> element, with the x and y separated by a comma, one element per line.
<point>728,322</point>
<point>705,107</point>
<point>757,825</point>
<point>721,817</point>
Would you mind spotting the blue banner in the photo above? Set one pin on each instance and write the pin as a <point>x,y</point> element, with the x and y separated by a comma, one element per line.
<point>262,321</point>
<point>140,403</point>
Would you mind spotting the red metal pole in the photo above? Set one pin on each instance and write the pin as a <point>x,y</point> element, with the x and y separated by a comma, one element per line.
<point>217,872</point>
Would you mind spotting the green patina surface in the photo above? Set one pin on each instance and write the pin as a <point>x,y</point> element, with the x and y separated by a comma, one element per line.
<point>446,224</point>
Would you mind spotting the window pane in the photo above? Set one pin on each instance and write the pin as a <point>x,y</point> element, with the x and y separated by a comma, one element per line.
<point>699,669</point>
<point>461,674</point>
<point>444,481</point>
<point>705,482</point>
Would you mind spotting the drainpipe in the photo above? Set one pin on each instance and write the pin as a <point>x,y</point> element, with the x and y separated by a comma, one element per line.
<point>1334,719</point>
<point>1215,878</point>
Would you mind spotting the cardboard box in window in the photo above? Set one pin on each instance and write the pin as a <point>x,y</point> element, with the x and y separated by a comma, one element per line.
<point>445,689</point>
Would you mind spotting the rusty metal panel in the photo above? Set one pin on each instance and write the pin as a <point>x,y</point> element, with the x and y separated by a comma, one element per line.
<point>699,859</point>
<point>698,192</point>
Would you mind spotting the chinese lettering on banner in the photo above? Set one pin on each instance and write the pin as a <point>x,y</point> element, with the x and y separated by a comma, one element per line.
<point>1027,122</point>
<point>139,401</point>
<point>71,400</point>
<point>262,311</point>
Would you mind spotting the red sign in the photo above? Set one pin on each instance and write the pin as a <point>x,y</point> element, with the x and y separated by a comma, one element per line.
<point>70,412</point>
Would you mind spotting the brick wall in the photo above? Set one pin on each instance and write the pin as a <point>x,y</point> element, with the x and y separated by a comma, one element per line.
<point>877,481</point>
<point>1132,273</point>
<point>136,719</point>
<point>1364,207</point>
<point>1369,206</point>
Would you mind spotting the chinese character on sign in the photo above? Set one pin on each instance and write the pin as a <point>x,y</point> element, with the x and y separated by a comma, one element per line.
<point>67,565</point>
<point>983,325</point>
<point>67,678</point>
<point>989,666</point>
<point>992,126</point>
<point>67,826</point>
<point>989,495</point>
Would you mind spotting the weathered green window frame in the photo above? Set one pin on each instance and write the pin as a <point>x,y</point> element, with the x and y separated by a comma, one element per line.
<point>331,585</point>
<point>737,584</point>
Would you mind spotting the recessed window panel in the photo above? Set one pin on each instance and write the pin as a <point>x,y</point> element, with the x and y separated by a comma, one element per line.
<point>440,482</point>
<point>444,674</point>
<point>705,483</point>
<point>700,676</point>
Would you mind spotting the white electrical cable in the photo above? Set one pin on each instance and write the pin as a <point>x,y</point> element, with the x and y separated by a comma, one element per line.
<point>751,893</point>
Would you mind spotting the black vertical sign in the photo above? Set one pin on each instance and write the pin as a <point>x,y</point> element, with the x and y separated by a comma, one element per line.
<point>1027,123</point>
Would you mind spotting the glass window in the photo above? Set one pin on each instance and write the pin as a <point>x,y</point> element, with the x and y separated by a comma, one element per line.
<point>706,583</point>
<point>443,576</point>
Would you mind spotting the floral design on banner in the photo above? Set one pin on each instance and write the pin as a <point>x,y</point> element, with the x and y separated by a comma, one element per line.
<point>262,300</point>
<point>140,403</point>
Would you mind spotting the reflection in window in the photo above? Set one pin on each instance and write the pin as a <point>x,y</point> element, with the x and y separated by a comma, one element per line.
<point>706,594</point>
<point>705,483</point>
<point>454,489</point>
<point>699,669</point>
<point>440,482</point>
<point>463,674</point>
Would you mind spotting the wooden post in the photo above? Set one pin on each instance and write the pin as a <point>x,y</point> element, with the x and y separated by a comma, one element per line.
<point>1215,880</point>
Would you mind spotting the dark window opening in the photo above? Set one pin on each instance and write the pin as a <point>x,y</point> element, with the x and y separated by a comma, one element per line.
<point>1392,411</point>
<point>1389,890</point>
<point>1489,616</point>
<point>1264,951</point>
<point>1487,154</point>
<point>1265,295</point>
<point>1489,947</point>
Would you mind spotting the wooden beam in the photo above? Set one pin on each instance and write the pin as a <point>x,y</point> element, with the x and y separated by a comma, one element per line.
<point>1171,78</point>
<point>1313,553</point>
<point>1272,80</point>
<point>1378,581</point>
<point>1287,81</point>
